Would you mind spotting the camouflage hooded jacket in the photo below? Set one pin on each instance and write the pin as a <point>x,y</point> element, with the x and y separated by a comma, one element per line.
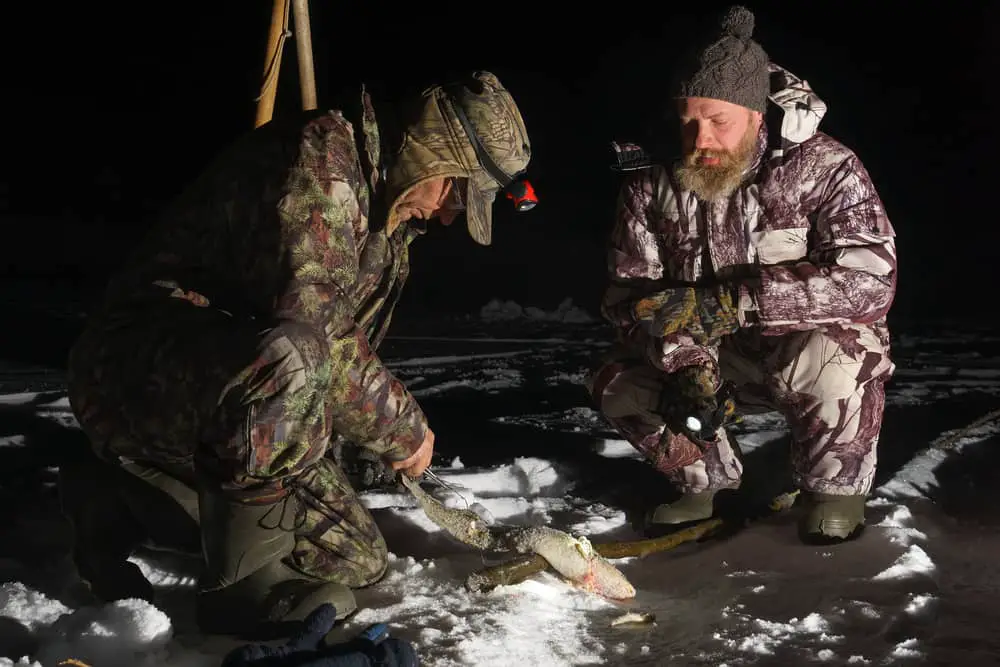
<point>291,224</point>
<point>805,236</point>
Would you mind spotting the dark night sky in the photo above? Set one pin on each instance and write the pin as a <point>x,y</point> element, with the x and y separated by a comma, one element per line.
<point>111,109</point>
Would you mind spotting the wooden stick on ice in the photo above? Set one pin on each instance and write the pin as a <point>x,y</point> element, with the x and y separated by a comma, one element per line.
<point>517,570</point>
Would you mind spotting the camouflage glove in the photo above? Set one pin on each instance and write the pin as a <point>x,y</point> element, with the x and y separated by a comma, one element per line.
<point>690,405</point>
<point>705,313</point>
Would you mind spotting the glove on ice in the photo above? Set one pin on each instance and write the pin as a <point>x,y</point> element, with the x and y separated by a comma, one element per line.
<point>372,648</point>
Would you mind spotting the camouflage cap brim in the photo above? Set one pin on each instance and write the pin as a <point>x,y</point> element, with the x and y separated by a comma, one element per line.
<point>480,194</point>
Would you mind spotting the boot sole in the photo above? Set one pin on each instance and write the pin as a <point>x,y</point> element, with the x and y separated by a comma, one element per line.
<point>821,538</point>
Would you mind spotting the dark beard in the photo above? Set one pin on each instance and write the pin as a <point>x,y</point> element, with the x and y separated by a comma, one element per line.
<point>717,182</point>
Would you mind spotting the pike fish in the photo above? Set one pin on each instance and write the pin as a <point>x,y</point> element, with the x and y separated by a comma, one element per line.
<point>574,558</point>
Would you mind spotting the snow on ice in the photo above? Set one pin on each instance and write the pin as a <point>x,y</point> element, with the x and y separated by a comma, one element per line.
<point>919,586</point>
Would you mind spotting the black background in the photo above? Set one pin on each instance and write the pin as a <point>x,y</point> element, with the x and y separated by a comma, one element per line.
<point>111,108</point>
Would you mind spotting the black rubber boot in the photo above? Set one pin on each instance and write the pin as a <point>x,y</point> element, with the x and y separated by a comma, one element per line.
<point>105,531</point>
<point>116,509</point>
<point>246,587</point>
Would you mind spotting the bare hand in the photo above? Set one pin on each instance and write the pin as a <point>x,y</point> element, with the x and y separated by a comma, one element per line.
<point>417,463</point>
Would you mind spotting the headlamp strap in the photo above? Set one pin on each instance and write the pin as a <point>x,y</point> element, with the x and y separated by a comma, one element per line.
<point>484,158</point>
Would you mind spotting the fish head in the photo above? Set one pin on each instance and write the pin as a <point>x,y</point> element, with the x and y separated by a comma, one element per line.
<point>604,579</point>
<point>477,532</point>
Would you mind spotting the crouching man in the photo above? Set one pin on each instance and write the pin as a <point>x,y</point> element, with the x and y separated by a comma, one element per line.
<point>762,260</point>
<point>239,344</point>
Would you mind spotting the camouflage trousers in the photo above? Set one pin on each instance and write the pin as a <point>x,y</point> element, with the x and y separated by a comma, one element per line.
<point>829,383</point>
<point>232,404</point>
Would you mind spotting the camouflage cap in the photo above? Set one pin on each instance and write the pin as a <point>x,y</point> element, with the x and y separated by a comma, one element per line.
<point>496,145</point>
<point>472,130</point>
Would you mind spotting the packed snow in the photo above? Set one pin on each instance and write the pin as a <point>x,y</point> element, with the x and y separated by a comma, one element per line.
<point>519,443</point>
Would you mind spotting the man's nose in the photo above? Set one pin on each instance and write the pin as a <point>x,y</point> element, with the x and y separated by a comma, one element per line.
<point>703,140</point>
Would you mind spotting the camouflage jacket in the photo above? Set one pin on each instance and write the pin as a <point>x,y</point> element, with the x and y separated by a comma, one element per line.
<point>805,237</point>
<point>285,226</point>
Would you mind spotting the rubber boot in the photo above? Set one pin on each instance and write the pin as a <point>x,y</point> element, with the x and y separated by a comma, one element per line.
<point>692,506</point>
<point>689,507</point>
<point>246,587</point>
<point>830,519</point>
<point>105,531</point>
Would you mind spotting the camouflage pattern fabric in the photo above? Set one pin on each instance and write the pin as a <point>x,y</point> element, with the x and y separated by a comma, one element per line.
<point>243,333</point>
<point>437,145</point>
<point>804,242</point>
<point>809,253</point>
<point>275,233</point>
<point>240,338</point>
<point>829,383</point>
<point>632,396</point>
<point>706,314</point>
<point>192,355</point>
<point>337,539</point>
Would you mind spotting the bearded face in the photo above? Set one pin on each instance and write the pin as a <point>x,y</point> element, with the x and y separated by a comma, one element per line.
<point>719,139</point>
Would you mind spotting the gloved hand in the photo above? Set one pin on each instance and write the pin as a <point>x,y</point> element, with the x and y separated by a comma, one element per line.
<point>372,648</point>
<point>364,469</point>
<point>705,313</point>
<point>691,406</point>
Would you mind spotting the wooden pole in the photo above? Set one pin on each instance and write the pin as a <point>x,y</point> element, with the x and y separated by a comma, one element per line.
<point>303,46</point>
<point>518,569</point>
<point>272,62</point>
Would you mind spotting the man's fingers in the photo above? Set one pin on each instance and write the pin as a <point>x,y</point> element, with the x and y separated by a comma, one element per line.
<point>422,455</point>
<point>418,468</point>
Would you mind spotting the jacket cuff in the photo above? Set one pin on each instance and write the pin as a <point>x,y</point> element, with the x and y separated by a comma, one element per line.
<point>747,311</point>
<point>404,442</point>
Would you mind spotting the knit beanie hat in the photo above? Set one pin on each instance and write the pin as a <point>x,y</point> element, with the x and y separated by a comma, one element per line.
<point>732,67</point>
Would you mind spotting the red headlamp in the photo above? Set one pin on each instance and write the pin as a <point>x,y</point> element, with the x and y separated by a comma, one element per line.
<point>522,193</point>
<point>515,187</point>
